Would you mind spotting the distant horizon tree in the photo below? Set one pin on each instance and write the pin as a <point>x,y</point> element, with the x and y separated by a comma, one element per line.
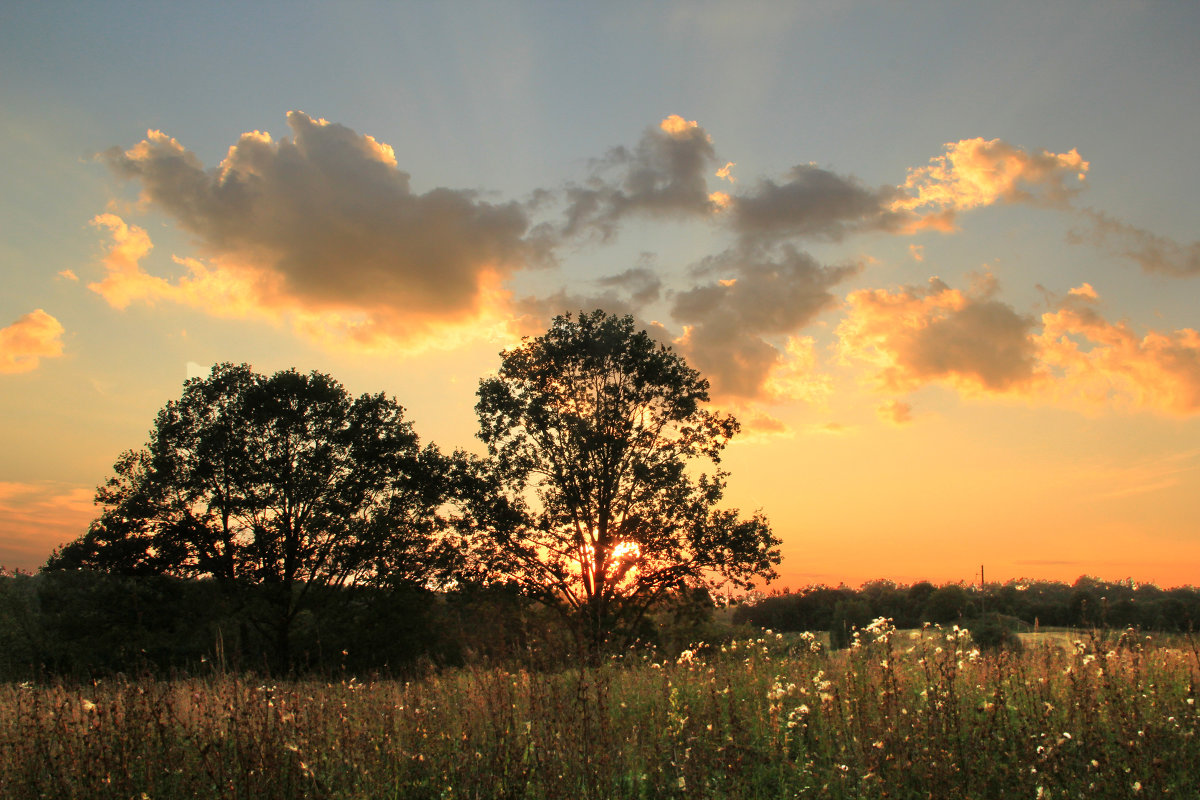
<point>285,485</point>
<point>589,499</point>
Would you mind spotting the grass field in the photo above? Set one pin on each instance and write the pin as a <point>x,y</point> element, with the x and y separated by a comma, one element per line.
<point>899,715</point>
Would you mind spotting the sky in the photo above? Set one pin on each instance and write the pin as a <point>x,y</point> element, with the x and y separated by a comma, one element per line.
<point>939,259</point>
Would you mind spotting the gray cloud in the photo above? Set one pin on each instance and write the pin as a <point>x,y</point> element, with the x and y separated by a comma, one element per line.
<point>986,339</point>
<point>1151,252</point>
<point>664,175</point>
<point>921,334</point>
<point>628,292</point>
<point>332,221</point>
<point>815,202</point>
<point>642,284</point>
<point>756,293</point>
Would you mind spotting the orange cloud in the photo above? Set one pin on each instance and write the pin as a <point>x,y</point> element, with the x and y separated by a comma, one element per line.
<point>32,337</point>
<point>1107,365</point>
<point>976,344</point>
<point>232,290</point>
<point>812,201</point>
<point>978,172</point>
<point>228,291</point>
<point>678,127</point>
<point>915,336</point>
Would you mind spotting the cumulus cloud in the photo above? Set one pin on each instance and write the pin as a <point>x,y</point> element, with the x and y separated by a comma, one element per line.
<point>32,337</point>
<point>664,175</point>
<point>815,202</point>
<point>325,223</point>
<point>917,335</point>
<point>231,290</point>
<point>1071,356</point>
<point>641,283</point>
<point>753,295</point>
<point>1153,253</point>
<point>978,172</point>
<point>1102,364</point>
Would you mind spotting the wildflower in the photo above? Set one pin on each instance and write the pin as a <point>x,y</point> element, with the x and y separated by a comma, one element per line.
<point>1137,786</point>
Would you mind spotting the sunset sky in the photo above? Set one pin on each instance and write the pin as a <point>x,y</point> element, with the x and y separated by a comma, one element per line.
<point>940,259</point>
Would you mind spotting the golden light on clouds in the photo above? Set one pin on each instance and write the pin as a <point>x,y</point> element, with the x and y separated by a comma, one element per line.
<point>29,339</point>
<point>1102,365</point>
<point>978,172</point>
<point>225,289</point>
<point>913,336</point>
<point>677,126</point>
<point>976,344</point>
<point>720,200</point>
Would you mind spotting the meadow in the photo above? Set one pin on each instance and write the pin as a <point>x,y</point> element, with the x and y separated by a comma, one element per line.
<point>899,714</point>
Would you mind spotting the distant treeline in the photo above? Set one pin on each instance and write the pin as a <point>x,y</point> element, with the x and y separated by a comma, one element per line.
<point>1087,603</point>
<point>85,623</point>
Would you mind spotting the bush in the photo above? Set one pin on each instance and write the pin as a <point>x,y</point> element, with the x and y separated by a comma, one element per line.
<point>995,632</point>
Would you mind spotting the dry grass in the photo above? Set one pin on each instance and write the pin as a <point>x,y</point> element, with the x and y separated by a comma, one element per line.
<point>900,715</point>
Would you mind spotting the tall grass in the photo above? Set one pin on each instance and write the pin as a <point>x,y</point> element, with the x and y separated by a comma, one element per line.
<point>898,715</point>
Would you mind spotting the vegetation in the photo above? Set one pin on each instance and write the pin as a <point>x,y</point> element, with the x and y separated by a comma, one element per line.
<point>277,488</point>
<point>600,426</point>
<point>897,714</point>
<point>539,622</point>
<point>1020,605</point>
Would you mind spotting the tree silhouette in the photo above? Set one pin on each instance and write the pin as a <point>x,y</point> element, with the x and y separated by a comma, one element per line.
<point>588,499</point>
<point>284,483</point>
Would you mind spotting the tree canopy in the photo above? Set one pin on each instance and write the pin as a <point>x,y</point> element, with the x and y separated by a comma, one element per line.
<point>590,499</point>
<point>284,482</point>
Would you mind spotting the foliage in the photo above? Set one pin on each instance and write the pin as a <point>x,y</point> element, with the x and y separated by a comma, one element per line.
<point>587,500</point>
<point>285,483</point>
<point>995,632</point>
<point>1085,604</point>
<point>896,715</point>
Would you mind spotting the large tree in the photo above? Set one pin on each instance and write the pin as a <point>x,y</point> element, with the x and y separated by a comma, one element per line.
<point>591,498</point>
<point>285,484</point>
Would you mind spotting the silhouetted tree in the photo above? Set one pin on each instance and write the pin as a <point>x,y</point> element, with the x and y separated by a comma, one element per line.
<point>275,486</point>
<point>587,499</point>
